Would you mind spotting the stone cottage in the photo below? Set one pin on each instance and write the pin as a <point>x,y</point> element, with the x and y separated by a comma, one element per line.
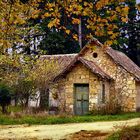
<point>91,78</point>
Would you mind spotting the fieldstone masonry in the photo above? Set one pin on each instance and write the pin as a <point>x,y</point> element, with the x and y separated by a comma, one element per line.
<point>123,84</point>
<point>80,75</point>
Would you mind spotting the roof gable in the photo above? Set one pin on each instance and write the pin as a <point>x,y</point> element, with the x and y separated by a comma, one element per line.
<point>118,57</point>
<point>93,41</point>
<point>88,64</point>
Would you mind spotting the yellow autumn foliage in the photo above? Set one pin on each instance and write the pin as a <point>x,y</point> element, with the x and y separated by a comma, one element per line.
<point>14,17</point>
<point>68,32</point>
<point>75,36</point>
<point>54,23</point>
<point>75,21</point>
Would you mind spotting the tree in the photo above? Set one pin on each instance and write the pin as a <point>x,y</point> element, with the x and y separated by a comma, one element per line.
<point>76,21</point>
<point>57,43</point>
<point>14,28</point>
<point>128,40</point>
<point>133,32</point>
<point>15,71</point>
<point>23,91</point>
<point>28,74</point>
<point>42,75</point>
<point>98,16</point>
<point>5,97</point>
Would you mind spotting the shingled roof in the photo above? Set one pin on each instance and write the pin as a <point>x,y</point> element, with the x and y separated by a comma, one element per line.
<point>63,60</point>
<point>122,60</point>
<point>66,60</point>
<point>88,64</point>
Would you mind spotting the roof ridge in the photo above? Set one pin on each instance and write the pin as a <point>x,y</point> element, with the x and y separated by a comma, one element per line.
<point>72,54</point>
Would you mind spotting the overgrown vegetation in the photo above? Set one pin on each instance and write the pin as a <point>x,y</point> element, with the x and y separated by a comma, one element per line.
<point>26,77</point>
<point>46,119</point>
<point>110,108</point>
<point>127,133</point>
<point>5,97</point>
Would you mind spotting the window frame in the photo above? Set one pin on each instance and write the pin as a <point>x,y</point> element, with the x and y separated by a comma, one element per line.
<point>103,98</point>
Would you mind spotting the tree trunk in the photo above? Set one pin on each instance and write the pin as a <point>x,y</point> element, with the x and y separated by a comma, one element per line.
<point>27,102</point>
<point>16,100</point>
<point>44,99</point>
<point>80,33</point>
<point>4,111</point>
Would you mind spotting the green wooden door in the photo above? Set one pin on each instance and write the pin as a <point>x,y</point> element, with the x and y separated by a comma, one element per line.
<point>81,98</point>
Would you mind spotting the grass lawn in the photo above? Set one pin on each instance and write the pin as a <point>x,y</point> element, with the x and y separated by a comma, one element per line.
<point>127,133</point>
<point>33,119</point>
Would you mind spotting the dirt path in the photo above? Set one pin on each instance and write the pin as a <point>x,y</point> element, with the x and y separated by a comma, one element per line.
<point>57,132</point>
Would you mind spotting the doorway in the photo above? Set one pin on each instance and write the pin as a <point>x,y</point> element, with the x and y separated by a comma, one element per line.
<point>81,99</point>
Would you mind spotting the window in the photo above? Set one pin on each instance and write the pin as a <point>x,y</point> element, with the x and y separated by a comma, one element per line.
<point>103,93</point>
<point>95,55</point>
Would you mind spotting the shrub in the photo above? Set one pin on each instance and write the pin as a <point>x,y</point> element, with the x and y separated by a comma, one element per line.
<point>127,133</point>
<point>109,108</point>
<point>5,97</point>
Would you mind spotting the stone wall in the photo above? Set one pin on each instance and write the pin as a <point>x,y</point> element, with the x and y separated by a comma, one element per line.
<point>80,75</point>
<point>138,96</point>
<point>125,87</point>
